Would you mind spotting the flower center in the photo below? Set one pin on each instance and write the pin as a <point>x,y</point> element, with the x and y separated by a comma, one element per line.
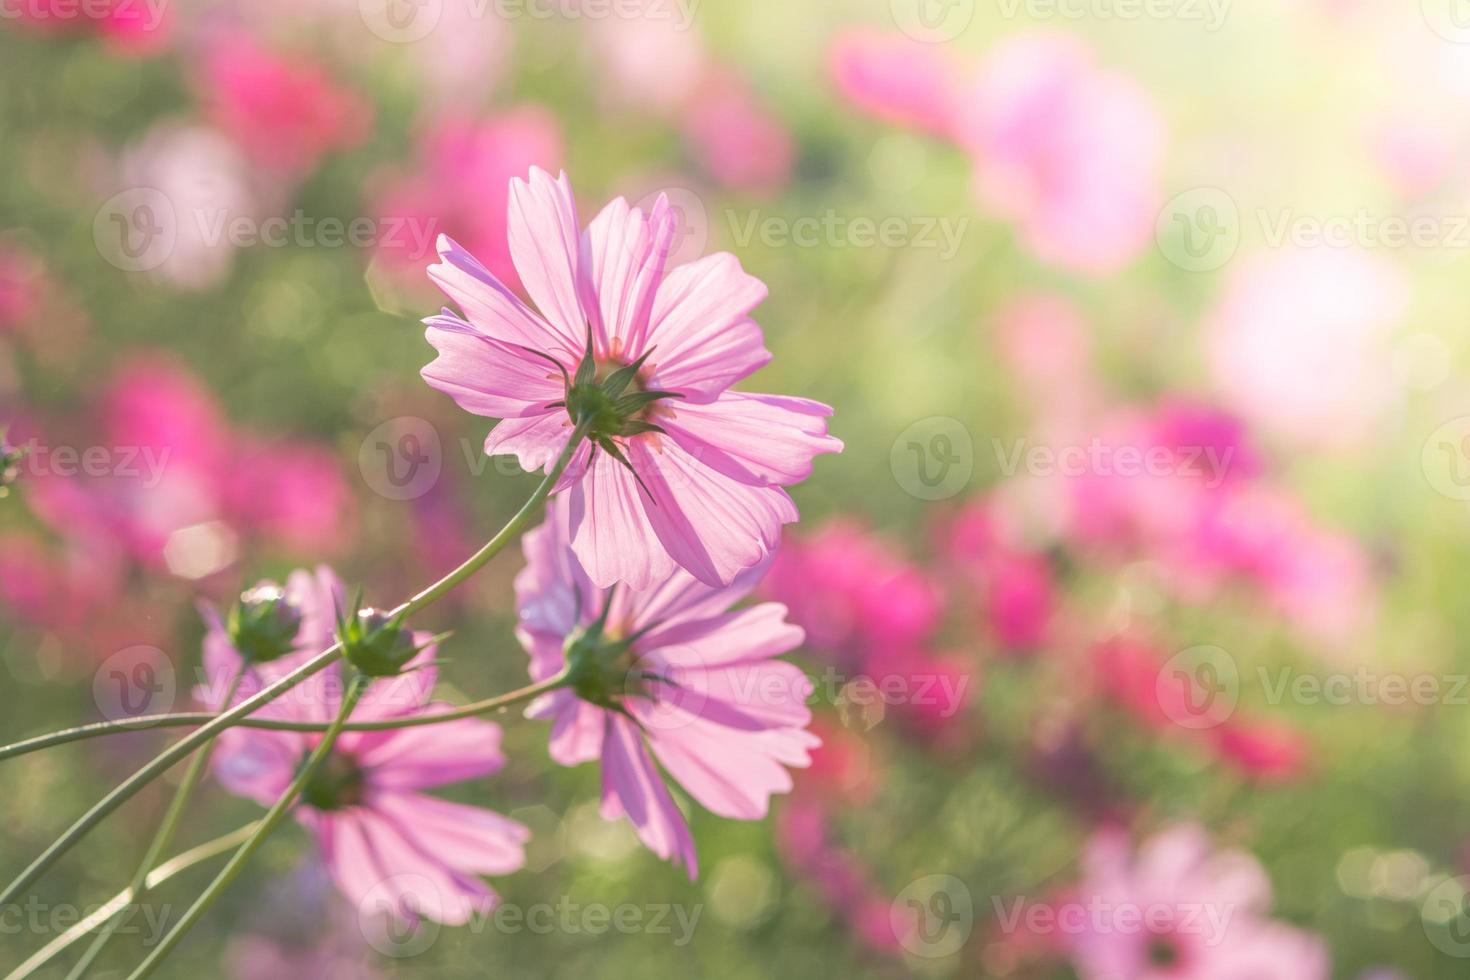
<point>338,783</point>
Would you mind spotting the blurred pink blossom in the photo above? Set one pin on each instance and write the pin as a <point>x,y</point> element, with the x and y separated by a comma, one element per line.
<point>460,187</point>
<point>1068,151</point>
<point>897,79</point>
<point>197,182</point>
<point>131,27</point>
<point>283,111</point>
<point>652,61</point>
<point>1203,914</point>
<point>853,593</point>
<point>738,141</point>
<point>1298,343</point>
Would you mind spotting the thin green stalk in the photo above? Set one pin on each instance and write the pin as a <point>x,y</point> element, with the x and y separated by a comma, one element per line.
<point>189,718</point>
<point>268,823</point>
<point>167,758</point>
<point>161,840</point>
<point>120,902</point>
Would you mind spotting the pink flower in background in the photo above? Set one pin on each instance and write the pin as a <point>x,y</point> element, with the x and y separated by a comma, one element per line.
<point>22,286</point>
<point>131,27</point>
<point>1298,342</point>
<point>1265,751</point>
<point>461,187</point>
<point>699,482</point>
<point>1209,919</point>
<point>670,671</point>
<point>178,487</point>
<point>195,182</point>
<point>291,493</point>
<point>1068,151</point>
<point>286,114</point>
<point>736,139</point>
<point>1014,585</point>
<point>853,593</point>
<point>383,838</point>
<point>803,838</point>
<point>897,79</point>
<point>654,61</point>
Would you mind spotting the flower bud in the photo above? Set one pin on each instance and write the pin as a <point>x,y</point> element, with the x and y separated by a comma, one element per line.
<point>264,624</point>
<point>376,643</point>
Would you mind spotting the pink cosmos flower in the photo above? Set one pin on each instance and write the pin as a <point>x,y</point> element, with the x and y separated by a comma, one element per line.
<point>853,593</point>
<point>897,79</point>
<point>736,139</point>
<point>382,837</point>
<point>677,471</point>
<point>286,115</point>
<point>460,186</point>
<point>1071,153</point>
<point>668,673</point>
<point>1198,914</point>
<point>1298,342</point>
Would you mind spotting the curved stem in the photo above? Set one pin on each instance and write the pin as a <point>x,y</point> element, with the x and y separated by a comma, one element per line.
<point>120,901</point>
<point>167,758</point>
<point>186,719</point>
<point>138,886</point>
<point>268,823</point>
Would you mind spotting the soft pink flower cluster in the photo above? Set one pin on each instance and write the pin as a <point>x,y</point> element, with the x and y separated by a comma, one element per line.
<point>1068,152</point>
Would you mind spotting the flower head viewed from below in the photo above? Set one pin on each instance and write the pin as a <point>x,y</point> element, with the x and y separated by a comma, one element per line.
<point>390,847</point>
<point>668,674</point>
<point>677,471</point>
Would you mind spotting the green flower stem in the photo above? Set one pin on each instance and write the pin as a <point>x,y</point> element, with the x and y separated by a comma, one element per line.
<point>166,759</point>
<point>188,719</point>
<point>123,899</point>
<point>268,823</point>
<point>138,886</point>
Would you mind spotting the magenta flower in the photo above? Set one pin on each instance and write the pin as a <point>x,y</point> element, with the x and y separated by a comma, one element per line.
<point>668,671</point>
<point>678,471</point>
<point>385,841</point>
<point>1180,910</point>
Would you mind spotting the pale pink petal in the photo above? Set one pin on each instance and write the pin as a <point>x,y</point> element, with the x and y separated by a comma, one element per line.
<point>486,377</point>
<point>536,441</point>
<point>627,250</point>
<point>610,535</point>
<point>546,245</point>
<point>465,838</point>
<point>730,773</point>
<point>762,440</point>
<point>433,755</point>
<point>632,787</point>
<point>756,633</point>
<point>711,525</point>
<point>700,331</point>
<point>492,309</point>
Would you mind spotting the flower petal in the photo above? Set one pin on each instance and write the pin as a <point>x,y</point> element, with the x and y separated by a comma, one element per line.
<point>703,337</point>
<point>486,377</point>
<point>626,252</point>
<point>491,309</point>
<point>762,440</point>
<point>545,244</point>
<point>611,537</point>
<point>632,787</point>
